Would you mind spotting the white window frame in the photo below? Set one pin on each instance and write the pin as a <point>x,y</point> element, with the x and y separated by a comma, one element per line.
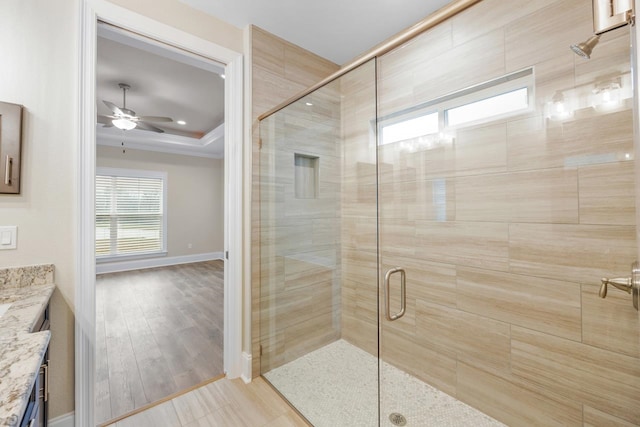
<point>139,173</point>
<point>492,88</point>
<point>504,92</point>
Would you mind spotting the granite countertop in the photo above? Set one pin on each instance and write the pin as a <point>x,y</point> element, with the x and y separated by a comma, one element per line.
<point>28,290</point>
<point>20,359</point>
<point>26,306</point>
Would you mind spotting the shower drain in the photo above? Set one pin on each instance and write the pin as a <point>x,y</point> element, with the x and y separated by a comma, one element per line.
<point>397,419</point>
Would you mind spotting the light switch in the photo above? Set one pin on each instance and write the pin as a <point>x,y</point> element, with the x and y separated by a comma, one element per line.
<point>8,236</point>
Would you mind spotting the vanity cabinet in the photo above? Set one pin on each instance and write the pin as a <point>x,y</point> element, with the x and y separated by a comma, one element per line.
<point>36,414</point>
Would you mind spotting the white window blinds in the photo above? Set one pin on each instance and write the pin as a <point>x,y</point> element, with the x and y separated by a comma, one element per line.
<point>129,213</point>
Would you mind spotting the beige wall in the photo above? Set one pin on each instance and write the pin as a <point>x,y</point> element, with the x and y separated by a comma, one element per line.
<point>40,62</point>
<point>40,57</point>
<point>195,196</point>
<point>187,19</point>
<point>279,70</point>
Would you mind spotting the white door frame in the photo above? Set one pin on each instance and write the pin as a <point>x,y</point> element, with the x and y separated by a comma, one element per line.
<point>85,304</point>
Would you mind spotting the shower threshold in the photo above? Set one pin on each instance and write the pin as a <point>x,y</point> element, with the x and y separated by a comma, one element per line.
<point>337,385</point>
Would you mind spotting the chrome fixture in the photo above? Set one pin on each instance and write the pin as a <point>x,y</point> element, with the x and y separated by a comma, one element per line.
<point>397,419</point>
<point>403,293</point>
<point>622,283</point>
<point>584,49</point>
<point>630,285</point>
<point>607,15</point>
<point>8,169</point>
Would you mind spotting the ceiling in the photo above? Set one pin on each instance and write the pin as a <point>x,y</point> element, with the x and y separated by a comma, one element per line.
<point>164,82</point>
<point>323,26</point>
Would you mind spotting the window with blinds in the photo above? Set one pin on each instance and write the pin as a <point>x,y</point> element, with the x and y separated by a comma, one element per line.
<point>130,212</point>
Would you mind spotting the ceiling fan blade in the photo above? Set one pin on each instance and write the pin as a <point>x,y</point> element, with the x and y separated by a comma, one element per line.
<point>155,119</point>
<point>128,112</point>
<point>147,126</point>
<point>105,120</point>
<point>113,107</point>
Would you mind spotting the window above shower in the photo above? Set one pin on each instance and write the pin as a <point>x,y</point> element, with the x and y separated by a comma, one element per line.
<point>434,122</point>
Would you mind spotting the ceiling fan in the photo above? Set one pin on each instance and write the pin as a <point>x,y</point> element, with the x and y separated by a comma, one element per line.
<point>126,119</point>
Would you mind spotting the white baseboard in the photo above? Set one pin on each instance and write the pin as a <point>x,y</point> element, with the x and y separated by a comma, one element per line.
<point>246,367</point>
<point>138,264</point>
<point>66,420</point>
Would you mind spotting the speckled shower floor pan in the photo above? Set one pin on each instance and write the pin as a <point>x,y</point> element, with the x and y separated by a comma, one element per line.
<point>336,385</point>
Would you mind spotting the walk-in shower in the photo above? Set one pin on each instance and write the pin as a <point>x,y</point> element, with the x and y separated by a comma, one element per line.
<point>435,224</point>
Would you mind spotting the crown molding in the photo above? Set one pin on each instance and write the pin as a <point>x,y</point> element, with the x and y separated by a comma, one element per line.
<point>210,145</point>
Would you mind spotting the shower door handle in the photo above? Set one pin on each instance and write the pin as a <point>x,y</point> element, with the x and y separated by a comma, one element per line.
<point>387,293</point>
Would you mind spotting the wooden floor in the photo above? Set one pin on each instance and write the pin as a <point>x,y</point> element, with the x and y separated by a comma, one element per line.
<point>223,403</point>
<point>159,331</point>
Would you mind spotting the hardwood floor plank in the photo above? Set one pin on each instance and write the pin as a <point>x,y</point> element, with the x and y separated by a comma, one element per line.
<point>228,415</point>
<point>289,419</point>
<point>159,331</point>
<point>125,384</point>
<point>190,407</point>
<point>222,403</point>
<point>162,415</point>
<point>103,400</point>
<point>152,365</point>
<point>185,379</point>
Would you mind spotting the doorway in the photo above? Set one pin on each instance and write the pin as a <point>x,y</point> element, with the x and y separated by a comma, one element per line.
<point>94,11</point>
<point>159,222</point>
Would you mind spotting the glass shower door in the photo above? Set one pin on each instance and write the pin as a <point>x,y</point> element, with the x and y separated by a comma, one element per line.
<point>318,252</point>
<point>506,192</point>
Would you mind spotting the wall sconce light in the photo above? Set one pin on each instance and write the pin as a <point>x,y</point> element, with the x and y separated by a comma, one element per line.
<point>607,96</point>
<point>558,108</point>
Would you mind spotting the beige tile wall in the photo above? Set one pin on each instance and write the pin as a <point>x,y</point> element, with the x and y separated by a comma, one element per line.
<point>503,268</point>
<point>289,271</point>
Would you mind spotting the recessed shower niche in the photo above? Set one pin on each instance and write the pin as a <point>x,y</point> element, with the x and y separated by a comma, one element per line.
<point>306,176</point>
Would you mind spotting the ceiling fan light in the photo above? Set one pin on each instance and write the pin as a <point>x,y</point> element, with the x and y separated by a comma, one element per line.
<point>124,124</point>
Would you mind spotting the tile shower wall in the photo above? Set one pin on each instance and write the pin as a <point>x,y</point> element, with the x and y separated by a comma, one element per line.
<point>303,261</point>
<point>503,266</point>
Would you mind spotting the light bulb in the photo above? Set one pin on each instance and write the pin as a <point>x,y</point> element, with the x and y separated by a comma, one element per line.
<point>124,124</point>
<point>607,96</point>
<point>558,108</point>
